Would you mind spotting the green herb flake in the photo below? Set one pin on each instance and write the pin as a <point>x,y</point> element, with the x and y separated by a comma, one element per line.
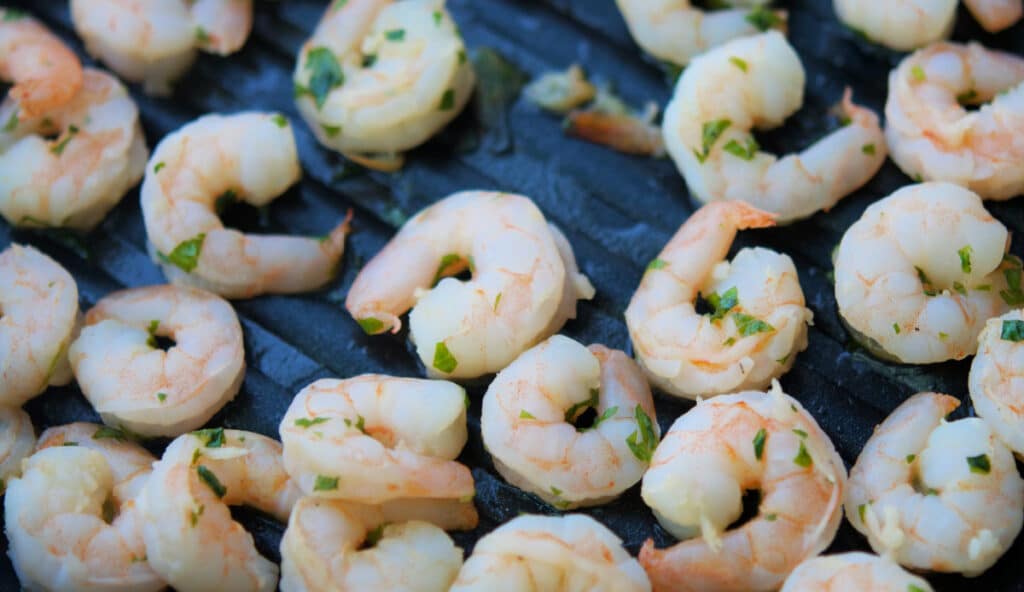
<point>861,509</point>
<point>910,458</point>
<point>370,325</point>
<point>326,74</point>
<point>965,258</point>
<point>211,481</point>
<point>868,149</point>
<point>330,130</point>
<point>58,149</point>
<point>12,122</point>
<point>280,120</point>
<point>305,422</point>
<point>771,517</point>
<point>746,152</point>
<point>369,60</point>
<point>109,432</point>
<point>197,513</point>
<point>657,264</point>
<point>783,359</point>
<point>917,73</point>
<point>325,483</point>
<point>338,4</point>
<point>729,341</point>
<point>896,328</point>
<point>608,414</point>
<point>763,19</point>
<point>462,56</point>
<point>643,440</point>
<point>1013,330</point>
<point>803,458</point>
<point>738,62</point>
<point>759,440</point>
<point>161,397</point>
<point>443,359</point>
<point>979,464</point>
<point>437,18</point>
<point>448,261</point>
<point>447,100</point>
<point>800,432</point>
<point>748,325</point>
<point>395,35</point>
<point>497,301</point>
<point>158,167</point>
<point>211,437</point>
<point>202,37</point>
<point>13,14</point>
<point>577,408</point>
<point>723,303</point>
<point>69,444</point>
<point>967,97</point>
<point>360,423</point>
<point>374,536</point>
<point>710,132</point>
<point>186,254</point>
<point>959,288</point>
<point>152,329</point>
<point>913,588</point>
<point>1012,295</point>
<point>524,414</point>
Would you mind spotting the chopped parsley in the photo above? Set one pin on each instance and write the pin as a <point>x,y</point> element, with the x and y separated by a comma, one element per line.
<point>803,458</point>
<point>152,329</point>
<point>437,18</point>
<point>186,254</point>
<point>608,414</point>
<point>12,122</point>
<point>979,464</point>
<point>395,35</point>
<point>370,325</point>
<point>197,513</point>
<point>910,458</point>
<point>497,300</point>
<point>868,149</point>
<point>759,440</point>
<point>723,303</point>
<point>642,441</point>
<point>58,149</point>
<point>324,483</point>
<point>280,120</point>
<point>330,130</point>
<point>738,62</point>
<point>1013,330</point>
<point>763,19</point>
<point>374,536</point>
<point>748,325</point>
<point>360,423</point>
<point>158,166</point>
<point>896,328</point>
<point>211,481</point>
<point>161,397</point>
<point>447,100</point>
<point>443,359</point>
<point>657,264</point>
<point>917,73</point>
<point>770,517</point>
<point>109,432</point>
<point>1012,295</point>
<point>965,258</point>
<point>13,14</point>
<point>711,131</point>
<point>861,509</point>
<point>211,437</point>
<point>202,37</point>
<point>746,152</point>
<point>326,74</point>
<point>306,422</point>
<point>448,261</point>
<point>800,432</point>
<point>959,288</point>
<point>577,408</point>
<point>524,414</point>
<point>967,97</point>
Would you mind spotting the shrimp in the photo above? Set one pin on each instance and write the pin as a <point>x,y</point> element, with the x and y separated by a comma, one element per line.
<point>44,71</point>
<point>72,519</point>
<point>524,287</point>
<point>714,453</point>
<point>17,440</point>
<point>376,439</point>
<point>136,385</point>
<point>380,77</point>
<point>936,495</point>
<point>853,572</point>
<point>758,82</point>
<point>933,138</point>
<point>674,31</point>
<point>996,378</point>
<point>996,15</point>
<point>921,271</point>
<point>97,155</point>
<point>759,322</point>
<point>216,159</point>
<point>528,415</point>
<point>191,538</point>
<point>321,550</point>
<point>155,42</point>
<point>38,320</point>
<point>902,25</point>
<point>570,553</point>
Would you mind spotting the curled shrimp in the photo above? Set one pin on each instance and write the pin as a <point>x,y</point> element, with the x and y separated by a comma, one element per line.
<point>156,42</point>
<point>151,392</point>
<point>321,550</point>
<point>17,440</point>
<point>996,15</point>
<point>72,519</point>
<point>570,553</point>
<point>936,495</point>
<point>759,323</point>
<point>524,283</point>
<point>675,31</point>
<point>853,572</point>
<point>97,155</point>
<point>191,538</point>
<point>249,157</point>
<point>38,320</point>
<point>899,24</point>
<point>921,271</point>
<point>933,138</point>
<point>700,471</point>
<point>380,77</point>
<point>376,439</point>
<point>996,378</point>
<point>44,71</point>
<point>527,423</point>
<point>758,82</point>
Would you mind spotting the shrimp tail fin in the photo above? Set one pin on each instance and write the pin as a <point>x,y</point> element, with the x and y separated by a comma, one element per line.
<point>335,240</point>
<point>746,216</point>
<point>848,110</point>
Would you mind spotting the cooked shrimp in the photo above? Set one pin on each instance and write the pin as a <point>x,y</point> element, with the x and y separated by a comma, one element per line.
<point>933,138</point>
<point>17,440</point>
<point>97,155</point>
<point>155,42</point>
<point>524,287</point>
<point>571,553</point>
<point>528,415</point>
<point>759,323</point>
<point>321,550</point>
<point>249,157</point>
<point>996,15</point>
<point>375,439</point>
<point>381,77</point>
<point>853,572</point>
<point>38,317</point>
<point>997,378</point>
<point>45,73</point>
<point>674,31</point>
<point>921,271</point>
<point>190,536</point>
<point>714,453</point>
<point>136,385</point>
<point>901,24</point>
<point>72,519</point>
<point>758,82</point>
<point>936,495</point>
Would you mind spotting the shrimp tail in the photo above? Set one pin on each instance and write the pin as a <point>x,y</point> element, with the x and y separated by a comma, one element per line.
<point>745,216</point>
<point>855,113</point>
<point>334,243</point>
<point>659,567</point>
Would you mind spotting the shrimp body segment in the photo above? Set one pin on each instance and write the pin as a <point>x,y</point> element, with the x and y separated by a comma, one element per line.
<point>902,25</point>
<point>570,553</point>
<point>760,319</point>
<point>675,31</point>
<point>72,519</point>
<point>853,572</point>
<point>73,180</point>
<point>17,441</point>
<point>997,378</point>
<point>527,423</point>
<point>758,82</point>
<point>936,495</point>
<point>190,536</point>
<point>921,271</point>
<point>45,72</point>
<point>932,136</point>
<point>375,439</point>
<point>320,550</point>
<point>379,77</point>
<point>714,453</point>
<point>155,42</point>
<point>39,306</point>
<point>249,157</point>
<point>136,385</point>
<point>524,283</point>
